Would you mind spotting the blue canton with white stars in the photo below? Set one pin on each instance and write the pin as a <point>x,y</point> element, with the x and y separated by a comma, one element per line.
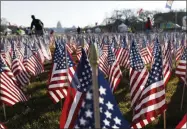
<point>2,65</point>
<point>184,55</point>
<point>110,115</point>
<point>111,56</point>
<point>156,71</point>
<point>84,73</point>
<point>124,44</point>
<point>136,61</point>
<point>60,58</point>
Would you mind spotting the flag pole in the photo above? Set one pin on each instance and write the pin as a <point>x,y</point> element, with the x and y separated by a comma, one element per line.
<point>4,111</point>
<point>165,119</point>
<point>94,64</point>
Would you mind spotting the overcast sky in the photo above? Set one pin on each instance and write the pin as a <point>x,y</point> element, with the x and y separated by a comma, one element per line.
<point>69,13</point>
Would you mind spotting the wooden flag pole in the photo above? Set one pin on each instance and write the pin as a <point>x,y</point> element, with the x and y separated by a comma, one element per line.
<point>4,110</point>
<point>94,64</point>
<point>164,119</point>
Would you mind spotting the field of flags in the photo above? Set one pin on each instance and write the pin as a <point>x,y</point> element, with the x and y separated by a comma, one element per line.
<point>140,64</point>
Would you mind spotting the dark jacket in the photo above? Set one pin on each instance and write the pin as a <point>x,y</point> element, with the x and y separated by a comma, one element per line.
<point>37,23</point>
<point>148,25</point>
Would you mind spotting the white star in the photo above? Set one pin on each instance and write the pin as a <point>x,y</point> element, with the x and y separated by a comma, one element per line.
<point>80,80</point>
<point>109,105</point>
<point>82,121</point>
<point>88,96</point>
<point>102,91</point>
<point>117,121</point>
<point>106,122</point>
<point>101,109</point>
<point>101,100</point>
<point>89,113</point>
<point>108,114</point>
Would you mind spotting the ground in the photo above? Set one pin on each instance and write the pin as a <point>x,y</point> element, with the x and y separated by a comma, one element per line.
<point>41,113</point>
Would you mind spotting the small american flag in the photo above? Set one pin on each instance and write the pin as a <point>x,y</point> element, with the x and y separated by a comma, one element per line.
<point>123,55</point>
<point>181,68</point>
<point>61,75</point>
<point>10,93</point>
<point>152,99</point>
<point>80,113</point>
<point>31,62</point>
<point>138,74</point>
<point>115,74</point>
<point>167,63</point>
<point>19,70</point>
<point>145,54</point>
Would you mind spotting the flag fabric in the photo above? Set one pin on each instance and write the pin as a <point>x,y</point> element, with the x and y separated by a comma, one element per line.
<point>183,123</point>
<point>10,93</point>
<point>181,67</point>
<point>152,99</point>
<point>61,75</point>
<point>80,113</point>
<point>169,4</point>
<point>138,74</point>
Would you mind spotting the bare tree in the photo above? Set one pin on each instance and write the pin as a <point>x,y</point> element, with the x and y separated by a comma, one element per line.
<point>4,24</point>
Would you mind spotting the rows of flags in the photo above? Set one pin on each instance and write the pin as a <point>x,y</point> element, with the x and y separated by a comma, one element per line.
<point>71,78</point>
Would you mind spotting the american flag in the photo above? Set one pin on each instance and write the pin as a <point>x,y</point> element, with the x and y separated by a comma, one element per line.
<point>152,99</point>
<point>82,78</point>
<point>183,123</point>
<point>5,51</point>
<point>61,75</point>
<point>31,62</point>
<point>114,72</point>
<point>138,74</point>
<point>103,63</point>
<point>167,63</point>
<point>79,113</point>
<point>123,56</point>
<point>145,52</point>
<point>83,83</point>
<point>181,68</point>
<point>179,52</point>
<point>37,51</point>
<point>19,70</point>
<point>10,93</point>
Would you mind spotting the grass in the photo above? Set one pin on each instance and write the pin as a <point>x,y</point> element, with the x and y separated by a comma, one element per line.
<point>41,113</point>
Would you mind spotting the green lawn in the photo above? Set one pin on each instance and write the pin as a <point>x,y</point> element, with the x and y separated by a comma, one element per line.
<point>41,113</point>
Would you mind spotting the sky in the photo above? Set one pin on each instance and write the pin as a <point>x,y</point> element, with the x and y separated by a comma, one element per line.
<point>77,13</point>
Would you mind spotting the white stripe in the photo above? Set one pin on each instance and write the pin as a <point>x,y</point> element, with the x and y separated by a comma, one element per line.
<point>59,93</point>
<point>58,85</point>
<point>59,78</point>
<point>150,97</point>
<point>53,96</point>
